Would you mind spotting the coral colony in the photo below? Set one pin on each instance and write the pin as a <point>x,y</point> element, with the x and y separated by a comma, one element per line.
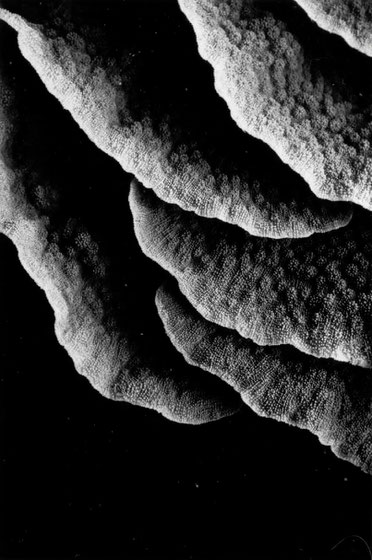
<point>232,218</point>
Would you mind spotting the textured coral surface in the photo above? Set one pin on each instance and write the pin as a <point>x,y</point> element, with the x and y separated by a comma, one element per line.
<point>245,176</point>
<point>72,242</point>
<point>330,399</point>
<point>270,67</point>
<point>159,123</point>
<point>352,19</point>
<point>314,294</point>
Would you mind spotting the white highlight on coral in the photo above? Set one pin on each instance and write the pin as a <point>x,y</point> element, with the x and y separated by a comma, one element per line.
<point>277,95</point>
<point>351,19</point>
<point>92,99</point>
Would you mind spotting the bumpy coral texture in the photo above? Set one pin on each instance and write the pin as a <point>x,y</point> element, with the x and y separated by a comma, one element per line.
<point>351,19</point>
<point>179,154</point>
<point>72,244</point>
<point>314,294</point>
<point>269,69</point>
<point>330,399</point>
<point>270,302</point>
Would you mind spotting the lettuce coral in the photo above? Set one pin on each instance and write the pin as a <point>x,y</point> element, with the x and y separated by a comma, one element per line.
<point>279,88</point>
<point>82,253</point>
<point>273,261</point>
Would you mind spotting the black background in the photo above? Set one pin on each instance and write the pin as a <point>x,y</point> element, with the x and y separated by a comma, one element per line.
<point>83,477</point>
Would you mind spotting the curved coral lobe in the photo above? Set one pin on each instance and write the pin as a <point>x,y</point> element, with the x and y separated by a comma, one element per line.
<point>351,19</point>
<point>331,400</point>
<point>164,124</point>
<point>314,294</point>
<point>313,110</point>
<point>77,243</point>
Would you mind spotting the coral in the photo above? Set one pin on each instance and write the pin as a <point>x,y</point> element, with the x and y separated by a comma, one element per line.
<point>330,399</point>
<point>273,261</point>
<point>80,251</point>
<point>351,19</point>
<point>283,291</point>
<point>182,155</point>
<point>280,88</point>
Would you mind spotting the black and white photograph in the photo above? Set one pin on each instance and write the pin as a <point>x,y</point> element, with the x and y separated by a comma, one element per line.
<point>186,280</point>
